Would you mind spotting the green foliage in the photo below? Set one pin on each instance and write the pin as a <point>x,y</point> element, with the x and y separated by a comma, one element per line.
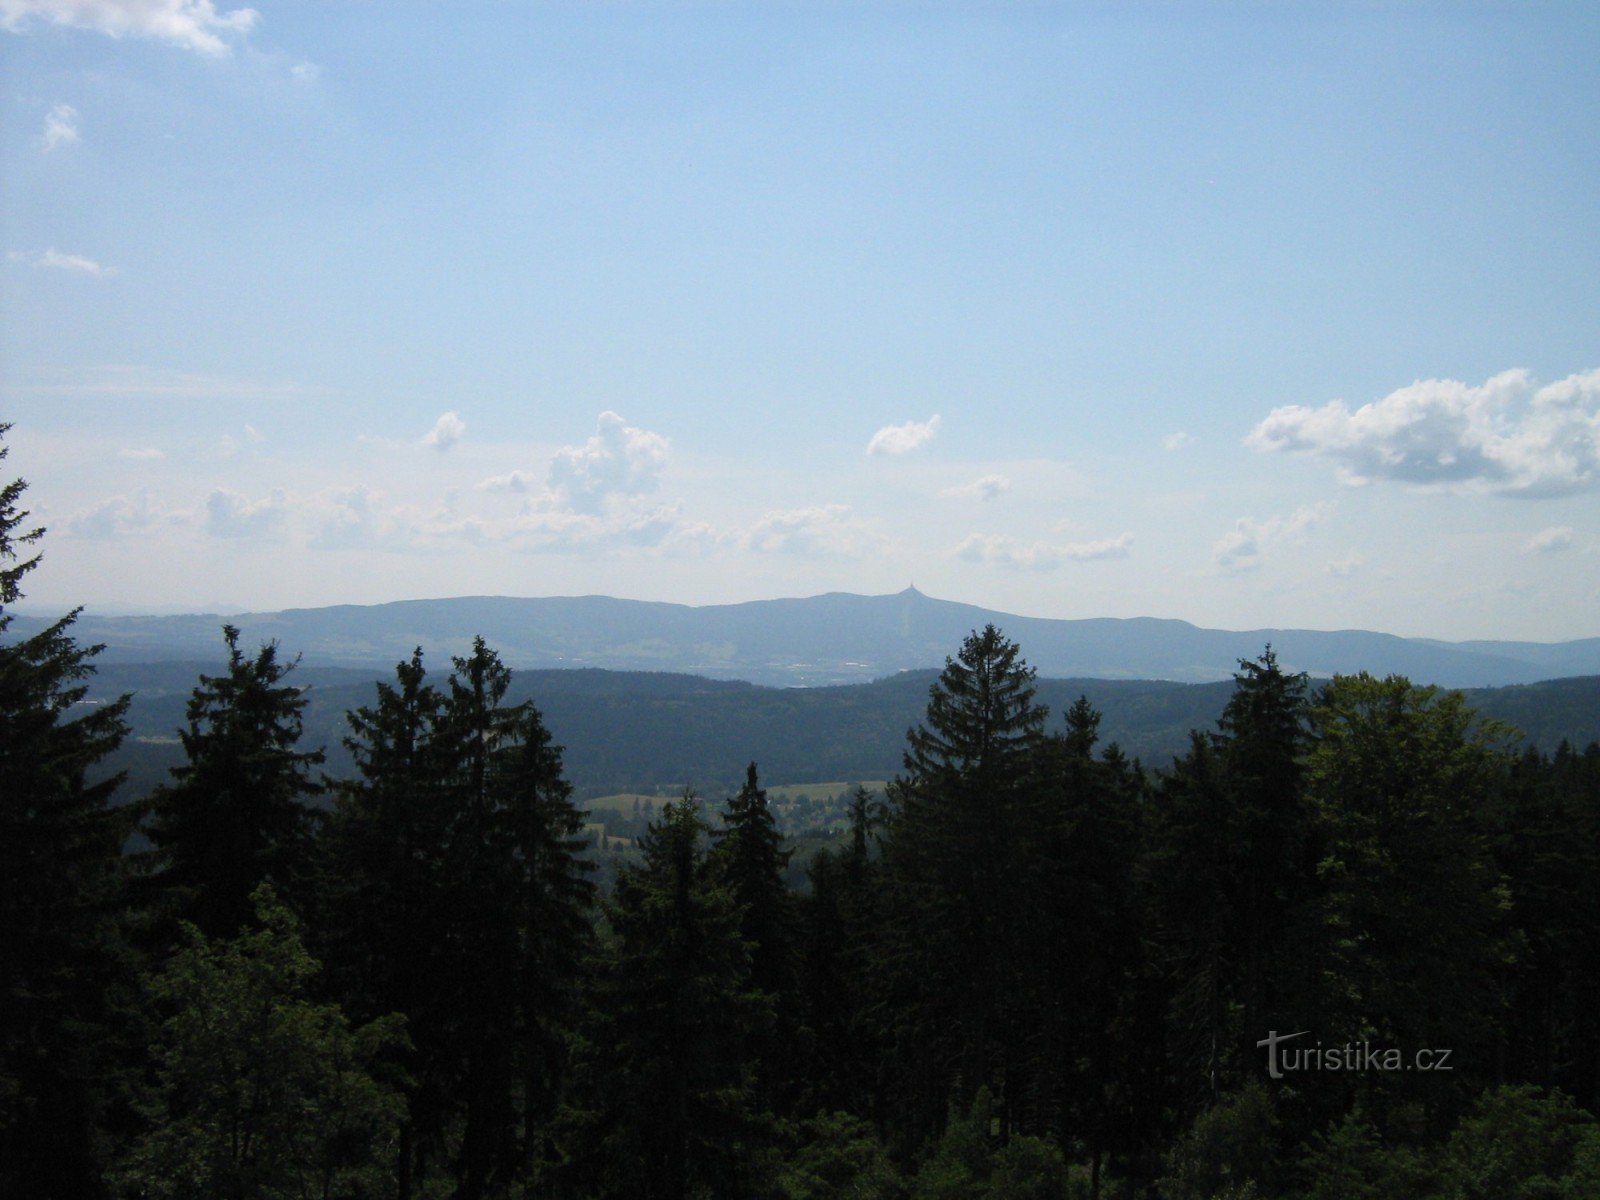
<point>981,716</point>
<point>749,861</point>
<point>970,1163</point>
<point>236,813</point>
<point>1545,828</point>
<point>1516,1143</point>
<point>668,1108</point>
<point>1583,1181</point>
<point>1229,1151</point>
<point>61,952</point>
<point>962,818</point>
<point>1417,912</point>
<point>839,1158</point>
<point>458,895</point>
<point>1229,865</point>
<point>1350,1162</point>
<point>261,1091</point>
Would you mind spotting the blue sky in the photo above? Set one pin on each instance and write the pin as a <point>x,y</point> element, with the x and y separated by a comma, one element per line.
<point>1253,315</point>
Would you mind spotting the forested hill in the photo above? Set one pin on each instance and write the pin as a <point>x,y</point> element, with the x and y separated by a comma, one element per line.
<point>834,638</point>
<point>626,730</point>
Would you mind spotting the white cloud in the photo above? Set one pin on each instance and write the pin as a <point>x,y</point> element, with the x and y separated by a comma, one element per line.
<point>1347,566</point>
<point>1117,547</point>
<point>192,24</point>
<point>305,72</point>
<point>1241,547</point>
<point>140,453</point>
<point>446,432</point>
<point>230,445</point>
<point>639,527</point>
<point>57,261</point>
<point>903,439</point>
<point>986,488</point>
<point>1173,440</point>
<point>1000,550</point>
<point>133,382</point>
<point>1550,541</point>
<point>352,521</point>
<point>620,460</point>
<point>819,529</point>
<point>514,481</point>
<point>1506,436</point>
<point>230,515</point>
<point>60,127</point>
<point>116,516</point>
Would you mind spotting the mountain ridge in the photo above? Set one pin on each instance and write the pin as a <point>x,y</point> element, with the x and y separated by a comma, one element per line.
<point>832,638</point>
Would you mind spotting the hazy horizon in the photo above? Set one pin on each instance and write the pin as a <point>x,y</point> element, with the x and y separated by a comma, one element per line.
<point>1250,318</point>
<point>39,612</point>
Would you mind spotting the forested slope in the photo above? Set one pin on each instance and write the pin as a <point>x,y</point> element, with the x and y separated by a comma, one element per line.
<point>629,730</point>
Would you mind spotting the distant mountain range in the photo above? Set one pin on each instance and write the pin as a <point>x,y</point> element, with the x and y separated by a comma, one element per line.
<point>831,639</point>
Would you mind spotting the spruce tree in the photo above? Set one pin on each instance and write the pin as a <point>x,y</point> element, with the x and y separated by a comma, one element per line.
<point>951,947</point>
<point>668,1111</point>
<point>540,831</point>
<point>385,919</point>
<point>749,859</point>
<point>1414,903</point>
<point>1232,869</point>
<point>461,898</point>
<point>1081,947</point>
<point>60,891</point>
<point>236,813</point>
<point>1264,737</point>
<point>838,922</point>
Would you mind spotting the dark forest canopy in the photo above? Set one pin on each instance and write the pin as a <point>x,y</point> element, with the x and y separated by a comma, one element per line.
<point>636,731</point>
<point>1031,967</point>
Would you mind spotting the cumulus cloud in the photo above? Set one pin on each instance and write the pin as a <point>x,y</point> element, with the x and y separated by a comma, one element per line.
<point>1507,435</point>
<point>351,519</point>
<point>986,488</point>
<point>817,529</point>
<point>1000,550</point>
<point>230,515</point>
<point>1550,541</point>
<point>116,516</point>
<point>57,261</point>
<point>1347,566</point>
<point>1173,440</point>
<point>191,24</point>
<point>60,126</point>
<point>1241,547</point>
<point>620,460</point>
<point>544,529</point>
<point>446,432</point>
<point>903,439</point>
<point>1011,552</point>
<point>514,481</point>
